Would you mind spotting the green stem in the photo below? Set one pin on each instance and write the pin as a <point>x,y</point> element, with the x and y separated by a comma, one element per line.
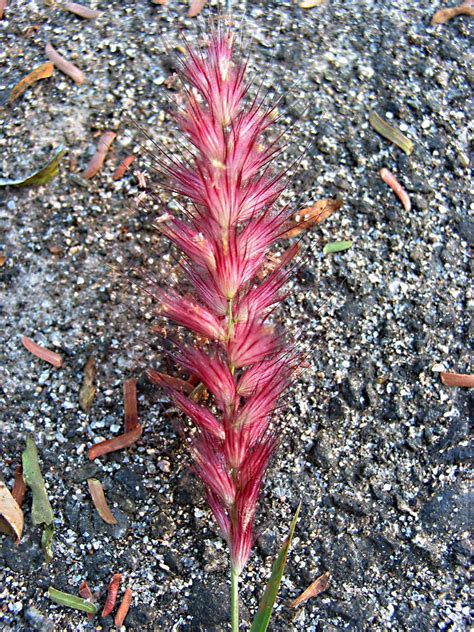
<point>234,601</point>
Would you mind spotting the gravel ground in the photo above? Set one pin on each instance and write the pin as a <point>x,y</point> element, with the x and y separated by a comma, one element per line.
<point>372,443</point>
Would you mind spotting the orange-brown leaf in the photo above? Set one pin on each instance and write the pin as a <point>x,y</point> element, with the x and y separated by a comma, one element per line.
<point>313,590</point>
<point>64,65</point>
<point>11,515</point>
<point>83,12</point>
<point>312,215</point>
<point>100,503</point>
<point>457,379</point>
<point>98,158</point>
<point>130,404</point>
<point>196,8</point>
<point>444,15</point>
<point>41,72</point>
<point>123,608</point>
<point>117,443</point>
<point>42,353</point>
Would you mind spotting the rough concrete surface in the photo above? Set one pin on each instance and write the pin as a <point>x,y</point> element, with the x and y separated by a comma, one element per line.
<point>372,443</point>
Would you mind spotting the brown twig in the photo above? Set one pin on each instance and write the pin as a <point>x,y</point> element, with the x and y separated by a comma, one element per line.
<point>444,15</point>
<point>44,354</point>
<point>117,443</point>
<point>130,404</point>
<point>388,177</point>
<point>97,160</point>
<point>64,65</point>
<point>122,168</point>
<point>457,379</point>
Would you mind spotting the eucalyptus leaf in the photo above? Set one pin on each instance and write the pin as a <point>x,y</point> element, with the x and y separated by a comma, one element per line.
<point>262,619</point>
<point>41,176</point>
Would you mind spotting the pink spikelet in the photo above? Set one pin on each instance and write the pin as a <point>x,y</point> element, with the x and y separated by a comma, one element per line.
<point>245,363</point>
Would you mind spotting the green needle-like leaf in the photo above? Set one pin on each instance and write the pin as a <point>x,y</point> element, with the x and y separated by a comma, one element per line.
<point>265,608</point>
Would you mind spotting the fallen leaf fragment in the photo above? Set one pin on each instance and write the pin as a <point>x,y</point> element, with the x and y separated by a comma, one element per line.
<point>41,176</point>
<point>64,65</point>
<point>3,6</point>
<point>86,593</point>
<point>44,354</point>
<point>100,503</point>
<point>312,215</point>
<point>87,390</point>
<point>182,386</point>
<point>83,12</point>
<point>310,4</point>
<point>97,160</point>
<point>111,595</point>
<point>11,515</point>
<point>117,443</point>
<point>388,177</point>
<point>336,246</point>
<point>71,601</point>
<point>457,379</point>
<point>196,8</point>
<point>123,608</point>
<point>41,72</point>
<point>314,590</point>
<point>390,133</point>
<point>122,168</point>
<point>444,15</point>
<point>41,510</point>
<point>19,486</point>
<point>162,2</point>
<point>130,404</point>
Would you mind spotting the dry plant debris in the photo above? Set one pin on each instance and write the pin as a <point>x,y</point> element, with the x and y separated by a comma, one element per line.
<point>100,503</point>
<point>111,594</point>
<point>123,608</point>
<point>311,4</point>
<point>64,65</point>
<point>19,486</point>
<point>83,12</point>
<point>40,176</point>
<point>41,352</point>
<point>390,133</point>
<point>97,160</point>
<point>87,390</point>
<point>41,72</point>
<point>388,177</point>
<point>71,601</point>
<point>196,8</point>
<point>3,6</point>
<point>444,15</point>
<point>11,515</point>
<point>312,215</point>
<point>457,379</point>
<point>130,404</point>
<point>317,587</point>
<point>86,593</point>
<point>122,168</point>
<point>117,443</point>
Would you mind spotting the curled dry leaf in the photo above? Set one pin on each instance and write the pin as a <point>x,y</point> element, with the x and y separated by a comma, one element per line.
<point>19,486</point>
<point>40,176</point>
<point>122,168</point>
<point>117,443</point>
<point>388,177</point>
<point>83,12</point>
<point>64,65</point>
<point>312,215</point>
<point>457,379</point>
<point>196,8</point>
<point>100,503</point>
<point>97,160</point>
<point>314,590</point>
<point>444,15</point>
<point>41,72</point>
<point>40,352</point>
<point>123,608</point>
<point>86,593</point>
<point>111,594</point>
<point>87,390</point>
<point>130,404</point>
<point>11,515</point>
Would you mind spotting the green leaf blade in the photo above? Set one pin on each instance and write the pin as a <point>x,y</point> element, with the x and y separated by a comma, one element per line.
<point>38,177</point>
<point>262,618</point>
<point>336,246</point>
<point>71,601</point>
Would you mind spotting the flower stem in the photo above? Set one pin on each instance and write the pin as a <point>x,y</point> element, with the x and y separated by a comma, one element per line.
<point>234,601</point>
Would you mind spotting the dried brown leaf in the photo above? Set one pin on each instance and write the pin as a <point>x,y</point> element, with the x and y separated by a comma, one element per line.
<point>19,486</point>
<point>444,15</point>
<point>311,4</point>
<point>122,168</point>
<point>117,443</point>
<point>196,8</point>
<point>41,72</point>
<point>64,65</point>
<point>11,520</point>
<point>42,353</point>
<point>3,6</point>
<point>83,12</point>
<point>457,379</point>
<point>312,215</point>
<point>130,404</point>
<point>97,160</point>
<point>87,390</point>
<point>100,503</point>
<point>313,590</point>
<point>123,608</point>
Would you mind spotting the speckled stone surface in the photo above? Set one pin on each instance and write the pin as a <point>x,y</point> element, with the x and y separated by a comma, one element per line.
<point>372,443</point>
